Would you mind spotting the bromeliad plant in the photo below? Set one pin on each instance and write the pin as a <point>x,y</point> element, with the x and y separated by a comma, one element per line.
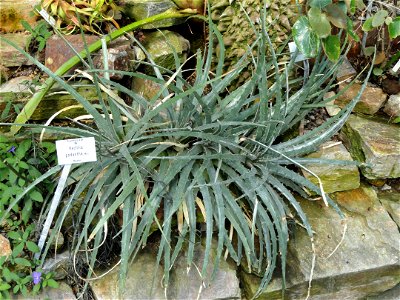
<point>91,15</point>
<point>196,149</point>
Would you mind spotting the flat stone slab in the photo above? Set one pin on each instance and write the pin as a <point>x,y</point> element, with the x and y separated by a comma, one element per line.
<point>391,201</point>
<point>145,276</point>
<point>345,71</point>
<point>11,57</point>
<point>161,46</point>
<point>141,9</point>
<point>365,263</point>
<point>60,264</point>
<point>376,143</point>
<point>334,177</point>
<point>63,292</point>
<point>14,11</point>
<point>20,89</point>
<point>370,102</point>
<point>58,51</point>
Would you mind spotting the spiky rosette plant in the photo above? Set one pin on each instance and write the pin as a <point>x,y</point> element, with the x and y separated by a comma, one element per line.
<point>194,149</point>
<point>94,16</point>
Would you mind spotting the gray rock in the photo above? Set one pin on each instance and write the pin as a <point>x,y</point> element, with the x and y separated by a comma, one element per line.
<point>59,265</point>
<point>142,9</point>
<point>345,71</point>
<point>365,263</point>
<point>63,292</point>
<point>146,88</point>
<point>143,281</point>
<point>58,51</point>
<point>392,294</point>
<point>331,108</point>
<point>145,276</point>
<point>392,106</point>
<point>19,84</point>
<point>391,201</point>
<point>4,74</point>
<point>334,177</point>
<point>9,56</point>
<point>121,57</point>
<point>376,143</point>
<point>187,285</point>
<point>58,241</point>
<point>161,46</point>
<point>371,100</point>
<point>19,91</point>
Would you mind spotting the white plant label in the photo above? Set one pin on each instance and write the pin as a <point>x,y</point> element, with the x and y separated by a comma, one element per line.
<point>49,19</point>
<point>292,49</point>
<point>74,151</point>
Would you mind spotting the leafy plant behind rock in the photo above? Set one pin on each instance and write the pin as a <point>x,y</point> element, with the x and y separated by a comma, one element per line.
<point>194,149</point>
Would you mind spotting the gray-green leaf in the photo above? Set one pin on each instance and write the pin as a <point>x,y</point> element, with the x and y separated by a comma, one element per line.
<point>320,3</point>
<point>305,38</point>
<point>319,22</point>
<point>377,71</point>
<point>22,262</point>
<point>368,51</point>
<point>379,18</point>
<point>336,15</point>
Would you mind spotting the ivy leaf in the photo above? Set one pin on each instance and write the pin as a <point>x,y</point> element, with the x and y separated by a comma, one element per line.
<point>7,274</point>
<point>331,46</point>
<point>336,15</point>
<point>52,283</point>
<point>36,289</point>
<point>16,289</point>
<point>23,165</point>
<point>394,28</point>
<point>367,26</point>
<point>24,290</point>
<point>50,147</point>
<point>319,22</point>
<point>36,196</point>
<point>379,18</point>
<point>368,51</point>
<point>377,71</point>
<point>22,262</point>
<point>4,286</point>
<point>23,148</point>
<point>319,3</point>
<point>27,26</point>
<point>305,38</point>
<point>32,247</point>
<point>17,249</point>
<point>14,235</point>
